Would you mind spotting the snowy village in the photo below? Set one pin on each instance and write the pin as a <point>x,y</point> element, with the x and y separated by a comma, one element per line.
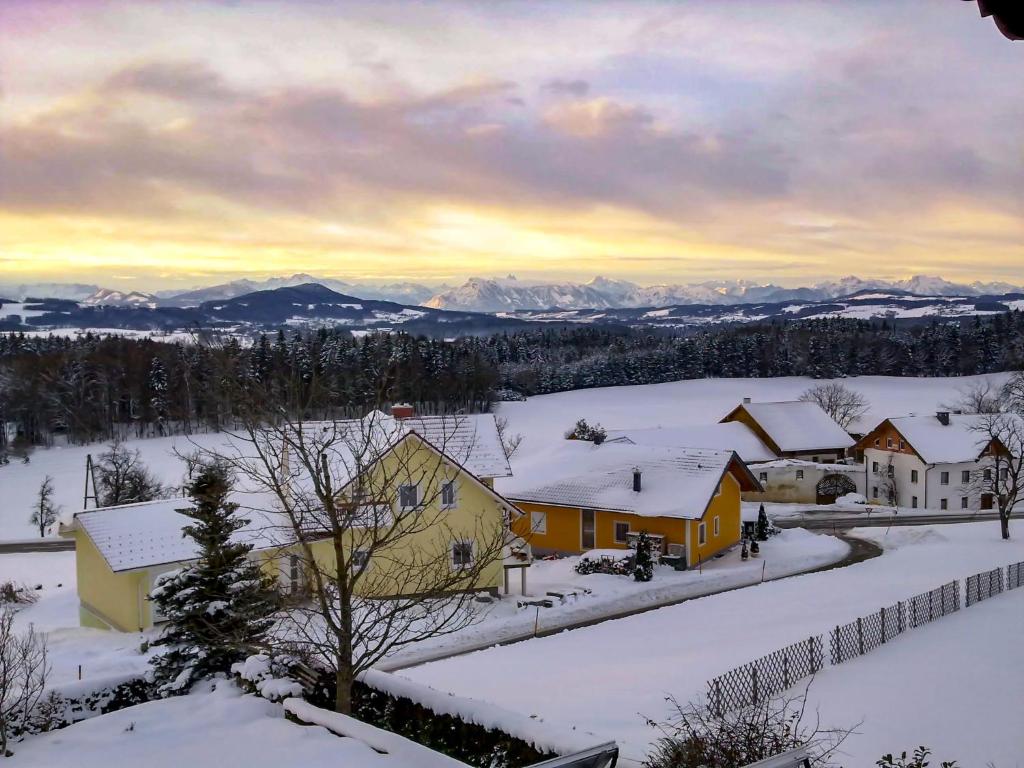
<point>320,446</point>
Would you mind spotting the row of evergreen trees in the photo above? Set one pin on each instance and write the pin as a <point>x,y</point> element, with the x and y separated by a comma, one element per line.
<point>96,388</point>
<point>555,360</point>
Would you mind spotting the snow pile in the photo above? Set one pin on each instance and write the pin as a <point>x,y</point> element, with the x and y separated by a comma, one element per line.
<point>384,742</point>
<point>212,728</point>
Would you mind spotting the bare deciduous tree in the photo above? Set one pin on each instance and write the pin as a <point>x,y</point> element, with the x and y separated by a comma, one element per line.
<point>696,737</point>
<point>23,671</point>
<point>122,478</point>
<point>44,511</point>
<point>999,425</point>
<point>363,513</point>
<point>840,402</point>
<point>509,442</point>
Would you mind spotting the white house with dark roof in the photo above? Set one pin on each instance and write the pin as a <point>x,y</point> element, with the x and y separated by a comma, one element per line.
<point>926,461</point>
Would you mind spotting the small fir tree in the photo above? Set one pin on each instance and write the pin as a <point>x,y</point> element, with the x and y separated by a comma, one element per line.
<point>762,524</point>
<point>643,567</point>
<point>44,511</point>
<point>218,609</point>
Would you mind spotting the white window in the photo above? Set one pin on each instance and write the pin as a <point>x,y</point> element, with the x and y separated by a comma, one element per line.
<point>988,474</point>
<point>888,442</point>
<point>943,503</point>
<point>1004,474</point>
<point>874,467</point>
<point>290,576</point>
<point>963,502</point>
<point>359,559</point>
<point>621,532</point>
<point>902,445</point>
<point>965,476</point>
<point>449,499</point>
<point>874,492</point>
<point>913,475</point>
<point>913,501</point>
<point>462,554</point>
<point>943,478</point>
<point>762,477</point>
<point>890,471</point>
<point>814,459</point>
<point>799,474</point>
<point>408,496</point>
<point>702,534</point>
<point>878,443</point>
<point>718,526</point>
<point>539,522</point>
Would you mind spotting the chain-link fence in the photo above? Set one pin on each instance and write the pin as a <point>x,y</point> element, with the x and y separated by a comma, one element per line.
<point>982,586</point>
<point>934,604</point>
<point>1015,575</point>
<point>866,633</point>
<point>769,675</point>
<point>764,677</point>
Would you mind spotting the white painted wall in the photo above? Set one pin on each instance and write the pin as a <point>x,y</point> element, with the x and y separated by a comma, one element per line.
<point>928,489</point>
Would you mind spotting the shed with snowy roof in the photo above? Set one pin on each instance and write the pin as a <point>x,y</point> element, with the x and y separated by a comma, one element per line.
<point>795,429</point>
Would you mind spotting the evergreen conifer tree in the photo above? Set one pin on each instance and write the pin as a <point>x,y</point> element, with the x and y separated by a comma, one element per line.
<point>762,524</point>
<point>218,609</point>
<point>643,567</point>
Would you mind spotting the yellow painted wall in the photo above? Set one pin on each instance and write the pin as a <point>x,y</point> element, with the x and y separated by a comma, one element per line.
<point>564,528</point>
<point>727,507</point>
<point>477,514</point>
<point>112,597</point>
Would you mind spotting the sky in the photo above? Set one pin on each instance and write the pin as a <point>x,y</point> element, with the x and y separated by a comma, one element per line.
<point>147,144</point>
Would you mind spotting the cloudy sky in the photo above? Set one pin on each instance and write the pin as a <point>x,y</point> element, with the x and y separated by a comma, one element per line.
<point>150,144</point>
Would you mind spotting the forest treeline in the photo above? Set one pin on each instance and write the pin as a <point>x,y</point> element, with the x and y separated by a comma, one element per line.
<point>91,388</point>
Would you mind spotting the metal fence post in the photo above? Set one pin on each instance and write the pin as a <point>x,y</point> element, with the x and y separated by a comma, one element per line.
<point>785,669</point>
<point>931,603</point>
<point>881,615</point>
<point>900,618</point>
<point>753,676</point>
<point>860,635</point>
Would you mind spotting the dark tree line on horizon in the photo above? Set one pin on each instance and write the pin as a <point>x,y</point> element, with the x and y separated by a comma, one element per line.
<point>94,388</point>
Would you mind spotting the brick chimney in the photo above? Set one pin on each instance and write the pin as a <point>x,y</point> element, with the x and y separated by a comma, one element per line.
<point>637,476</point>
<point>402,411</point>
<point>943,417</point>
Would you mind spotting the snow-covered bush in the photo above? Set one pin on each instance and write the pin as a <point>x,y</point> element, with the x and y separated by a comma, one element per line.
<point>269,676</point>
<point>852,498</point>
<point>12,593</point>
<point>581,430</point>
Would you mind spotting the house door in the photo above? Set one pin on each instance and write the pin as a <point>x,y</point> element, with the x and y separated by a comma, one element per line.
<point>986,501</point>
<point>587,529</point>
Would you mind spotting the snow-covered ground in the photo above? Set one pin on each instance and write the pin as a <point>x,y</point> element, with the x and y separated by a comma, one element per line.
<point>606,678</point>
<point>215,729</point>
<point>955,685</point>
<point>790,552</point>
<point>99,654</point>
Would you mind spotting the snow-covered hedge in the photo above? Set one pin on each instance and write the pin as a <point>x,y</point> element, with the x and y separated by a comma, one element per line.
<point>268,676</point>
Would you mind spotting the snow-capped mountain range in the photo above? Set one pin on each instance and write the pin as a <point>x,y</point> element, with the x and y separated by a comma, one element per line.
<point>508,294</point>
<point>481,294</point>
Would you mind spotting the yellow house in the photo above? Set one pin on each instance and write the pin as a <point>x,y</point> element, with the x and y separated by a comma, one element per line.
<point>601,497</point>
<point>120,551</point>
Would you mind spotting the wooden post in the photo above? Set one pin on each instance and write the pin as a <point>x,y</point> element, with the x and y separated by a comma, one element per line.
<point>785,669</point>
<point>812,654</point>
<point>838,645</point>
<point>753,676</point>
<point>860,635</point>
<point>881,615</point>
<point>763,566</point>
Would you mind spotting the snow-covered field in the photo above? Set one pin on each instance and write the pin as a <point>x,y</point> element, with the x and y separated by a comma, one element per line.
<point>541,420</point>
<point>606,678</point>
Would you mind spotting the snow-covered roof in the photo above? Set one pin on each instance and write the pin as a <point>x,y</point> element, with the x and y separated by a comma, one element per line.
<point>148,534</point>
<point>797,425</point>
<point>726,436</point>
<point>470,439</point>
<point>675,482</point>
<point>938,443</point>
